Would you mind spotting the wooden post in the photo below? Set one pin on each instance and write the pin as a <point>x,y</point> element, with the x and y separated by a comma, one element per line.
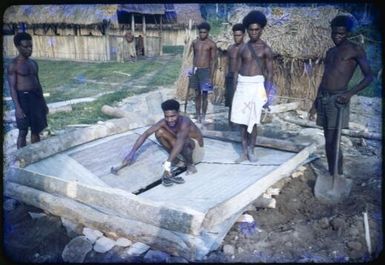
<point>161,37</point>
<point>107,42</point>
<point>144,34</point>
<point>132,24</point>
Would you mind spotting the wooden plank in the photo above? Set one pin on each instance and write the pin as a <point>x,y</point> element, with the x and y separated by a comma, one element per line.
<point>261,140</point>
<point>64,167</point>
<point>218,172</point>
<point>245,197</point>
<point>145,171</point>
<point>114,201</point>
<point>284,107</point>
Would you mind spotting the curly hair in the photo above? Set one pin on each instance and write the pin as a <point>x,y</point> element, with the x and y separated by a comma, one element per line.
<point>254,16</point>
<point>239,27</point>
<point>21,36</point>
<point>343,21</point>
<point>170,104</point>
<point>204,25</point>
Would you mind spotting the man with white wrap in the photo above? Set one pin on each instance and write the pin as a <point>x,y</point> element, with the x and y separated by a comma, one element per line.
<point>253,81</point>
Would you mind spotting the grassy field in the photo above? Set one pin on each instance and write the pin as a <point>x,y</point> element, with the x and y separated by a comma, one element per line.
<point>65,80</point>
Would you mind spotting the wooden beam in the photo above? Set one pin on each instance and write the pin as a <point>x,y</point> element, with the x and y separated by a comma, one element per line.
<point>261,141</point>
<point>114,201</point>
<point>160,35</point>
<point>40,150</point>
<point>346,132</point>
<point>144,35</point>
<point>175,243</point>
<point>132,24</point>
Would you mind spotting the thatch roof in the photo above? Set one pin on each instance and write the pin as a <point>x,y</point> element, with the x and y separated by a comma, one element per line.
<point>185,12</point>
<point>294,32</point>
<point>146,9</point>
<point>61,14</point>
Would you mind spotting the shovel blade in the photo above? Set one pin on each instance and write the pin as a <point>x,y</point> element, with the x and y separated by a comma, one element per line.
<point>332,189</point>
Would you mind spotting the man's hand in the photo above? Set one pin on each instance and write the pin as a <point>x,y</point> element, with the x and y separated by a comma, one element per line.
<point>312,113</point>
<point>129,159</point>
<point>190,72</point>
<point>19,113</point>
<point>344,98</point>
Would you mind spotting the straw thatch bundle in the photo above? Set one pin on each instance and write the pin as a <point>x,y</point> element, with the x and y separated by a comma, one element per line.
<point>62,14</point>
<point>299,38</point>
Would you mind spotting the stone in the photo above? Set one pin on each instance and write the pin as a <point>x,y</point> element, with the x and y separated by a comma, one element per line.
<point>137,249</point>
<point>91,234</point>
<point>76,250</point>
<point>72,228</point>
<point>156,256</point>
<point>103,244</point>
<point>354,245</point>
<point>297,174</point>
<point>324,223</point>
<point>228,250</point>
<point>123,242</point>
<point>175,259</point>
<point>337,223</point>
<point>36,215</point>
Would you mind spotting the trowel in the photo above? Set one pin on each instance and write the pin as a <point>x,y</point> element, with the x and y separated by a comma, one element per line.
<point>335,188</point>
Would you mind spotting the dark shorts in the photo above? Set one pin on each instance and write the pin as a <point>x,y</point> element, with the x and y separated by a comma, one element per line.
<point>200,80</point>
<point>33,106</point>
<point>327,111</point>
<point>229,89</point>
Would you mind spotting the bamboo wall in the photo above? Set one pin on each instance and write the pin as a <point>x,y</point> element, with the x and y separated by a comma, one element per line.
<point>93,47</point>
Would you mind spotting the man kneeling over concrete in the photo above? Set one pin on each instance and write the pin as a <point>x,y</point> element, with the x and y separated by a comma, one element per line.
<point>178,135</point>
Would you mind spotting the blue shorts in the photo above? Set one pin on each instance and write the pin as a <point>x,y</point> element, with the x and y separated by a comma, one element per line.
<point>200,80</point>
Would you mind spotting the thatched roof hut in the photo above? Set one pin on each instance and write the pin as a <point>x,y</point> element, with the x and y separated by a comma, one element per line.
<point>62,14</point>
<point>299,38</point>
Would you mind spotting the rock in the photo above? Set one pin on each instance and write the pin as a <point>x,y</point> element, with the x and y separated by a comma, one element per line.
<point>156,256</point>
<point>272,191</point>
<point>123,242</point>
<point>311,135</point>
<point>103,244</point>
<point>354,245</point>
<point>91,234</point>
<point>247,218</point>
<point>228,250</point>
<point>36,215</point>
<point>137,249</point>
<point>9,204</point>
<point>324,223</point>
<point>301,168</point>
<point>240,250</point>
<point>72,228</point>
<point>297,174</point>
<point>337,223</point>
<point>76,250</point>
<point>175,259</point>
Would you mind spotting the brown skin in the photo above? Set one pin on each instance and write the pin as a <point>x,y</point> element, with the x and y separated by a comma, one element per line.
<point>340,63</point>
<point>232,52</point>
<point>129,37</point>
<point>175,133</point>
<point>247,66</point>
<point>23,76</point>
<point>204,56</point>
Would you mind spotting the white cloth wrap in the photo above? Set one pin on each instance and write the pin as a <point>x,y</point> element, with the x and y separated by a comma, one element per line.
<point>249,98</point>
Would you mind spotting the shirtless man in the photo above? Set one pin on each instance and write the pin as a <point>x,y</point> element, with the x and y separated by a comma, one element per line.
<point>253,81</point>
<point>204,60</point>
<point>27,94</point>
<point>232,50</point>
<point>340,64</point>
<point>178,135</point>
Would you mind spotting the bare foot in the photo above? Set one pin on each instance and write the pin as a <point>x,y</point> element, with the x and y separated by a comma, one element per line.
<point>251,155</point>
<point>240,159</point>
<point>191,170</point>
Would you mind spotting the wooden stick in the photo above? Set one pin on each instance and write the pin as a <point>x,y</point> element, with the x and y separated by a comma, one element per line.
<point>367,233</point>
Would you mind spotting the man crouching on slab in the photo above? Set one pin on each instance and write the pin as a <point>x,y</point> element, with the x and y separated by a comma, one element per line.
<point>178,135</point>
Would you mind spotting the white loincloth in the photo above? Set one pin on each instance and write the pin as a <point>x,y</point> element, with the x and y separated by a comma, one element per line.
<point>249,98</point>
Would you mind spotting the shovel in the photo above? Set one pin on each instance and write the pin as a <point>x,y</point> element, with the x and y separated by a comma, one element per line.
<point>334,189</point>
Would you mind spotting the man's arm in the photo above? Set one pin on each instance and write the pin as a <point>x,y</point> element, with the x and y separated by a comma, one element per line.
<point>11,74</point>
<point>269,73</point>
<point>129,159</point>
<point>213,60</point>
<point>40,87</point>
<point>237,66</point>
<point>366,80</point>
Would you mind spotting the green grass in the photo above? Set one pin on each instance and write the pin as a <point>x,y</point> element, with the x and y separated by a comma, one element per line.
<point>168,74</point>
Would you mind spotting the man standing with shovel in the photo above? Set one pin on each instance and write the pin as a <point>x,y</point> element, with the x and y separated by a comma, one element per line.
<point>332,104</point>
